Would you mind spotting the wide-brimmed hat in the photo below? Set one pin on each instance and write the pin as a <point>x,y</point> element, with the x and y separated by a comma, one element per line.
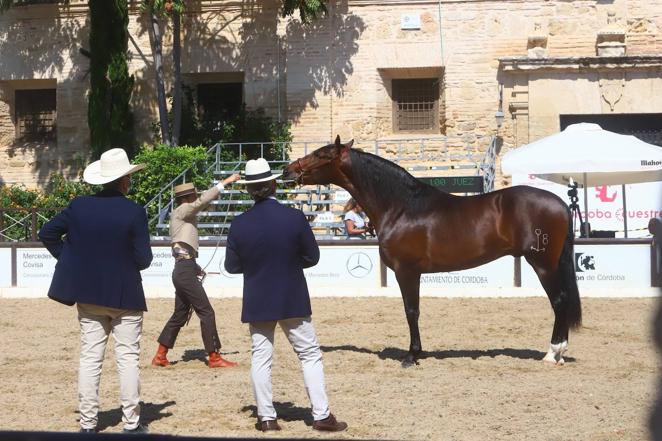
<point>184,189</point>
<point>113,164</point>
<point>258,170</point>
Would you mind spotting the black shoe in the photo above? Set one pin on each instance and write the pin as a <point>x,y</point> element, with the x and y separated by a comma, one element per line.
<point>266,426</point>
<point>330,424</point>
<point>94,430</point>
<point>141,428</point>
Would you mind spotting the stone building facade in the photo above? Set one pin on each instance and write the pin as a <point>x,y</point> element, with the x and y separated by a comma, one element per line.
<point>370,70</point>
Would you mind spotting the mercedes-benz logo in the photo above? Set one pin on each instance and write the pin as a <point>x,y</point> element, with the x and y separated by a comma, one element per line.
<point>359,265</point>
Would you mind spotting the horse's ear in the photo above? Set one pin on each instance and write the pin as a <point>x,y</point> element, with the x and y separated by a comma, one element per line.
<point>337,141</point>
<point>344,151</point>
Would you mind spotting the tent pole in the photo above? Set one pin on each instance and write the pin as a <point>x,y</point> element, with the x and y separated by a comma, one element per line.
<point>586,228</point>
<point>625,213</point>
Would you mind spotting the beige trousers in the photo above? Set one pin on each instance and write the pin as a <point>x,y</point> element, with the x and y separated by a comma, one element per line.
<point>301,334</point>
<point>96,324</point>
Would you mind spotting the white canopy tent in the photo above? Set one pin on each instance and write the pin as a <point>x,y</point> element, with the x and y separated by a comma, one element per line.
<point>590,156</point>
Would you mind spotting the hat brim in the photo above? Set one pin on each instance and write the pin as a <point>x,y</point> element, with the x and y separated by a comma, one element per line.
<point>255,181</point>
<point>186,192</point>
<point>92,173</point>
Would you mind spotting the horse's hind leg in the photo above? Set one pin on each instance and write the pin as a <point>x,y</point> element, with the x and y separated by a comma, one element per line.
<point>551,282</point>
<point>409,288</point>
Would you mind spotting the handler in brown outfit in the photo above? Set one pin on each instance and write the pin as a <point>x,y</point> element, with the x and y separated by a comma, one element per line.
<point>189,292</point>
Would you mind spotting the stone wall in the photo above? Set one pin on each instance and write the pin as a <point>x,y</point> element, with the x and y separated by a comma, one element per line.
<point>39,49</point>
<point>334,76</point>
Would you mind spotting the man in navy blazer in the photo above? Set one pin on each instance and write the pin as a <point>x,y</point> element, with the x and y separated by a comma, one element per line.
<point>101,243</point>
<point>271,244</point>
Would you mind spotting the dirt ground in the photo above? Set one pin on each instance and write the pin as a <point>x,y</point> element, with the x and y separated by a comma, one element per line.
<point>481,377</point>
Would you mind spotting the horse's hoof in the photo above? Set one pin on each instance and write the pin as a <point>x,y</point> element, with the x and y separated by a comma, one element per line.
<point>551,359</point>
<point>409,362</point>
<point>555,354</point>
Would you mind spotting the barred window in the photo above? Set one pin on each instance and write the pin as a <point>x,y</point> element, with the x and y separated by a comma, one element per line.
<point>35,114</point>
<point>415,105</point>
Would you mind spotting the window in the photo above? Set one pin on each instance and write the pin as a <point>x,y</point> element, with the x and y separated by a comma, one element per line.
<point>219,101</point>
<point>35,114</point>
<point>645,126</point>
<point>416,105</point>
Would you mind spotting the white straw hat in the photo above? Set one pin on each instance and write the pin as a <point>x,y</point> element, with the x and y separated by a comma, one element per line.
<point>113,164</point>
<point>258,170</point>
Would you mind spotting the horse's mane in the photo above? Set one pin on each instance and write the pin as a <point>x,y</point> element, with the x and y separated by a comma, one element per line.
<point>378,176</point>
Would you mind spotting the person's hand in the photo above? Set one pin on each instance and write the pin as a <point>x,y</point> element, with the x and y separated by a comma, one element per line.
<point>201,273</point>
<point>233,178</point>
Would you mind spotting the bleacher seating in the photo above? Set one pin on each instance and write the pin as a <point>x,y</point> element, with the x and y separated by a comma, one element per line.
<point>311,200</point>
<point>323,205</point>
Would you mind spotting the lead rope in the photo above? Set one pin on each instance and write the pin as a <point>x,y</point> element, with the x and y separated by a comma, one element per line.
<point>220,229</point>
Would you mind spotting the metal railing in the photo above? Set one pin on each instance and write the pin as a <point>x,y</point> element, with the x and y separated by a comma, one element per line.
<point>488,166</point>
<point>433,149</point>
<point>22,224</point>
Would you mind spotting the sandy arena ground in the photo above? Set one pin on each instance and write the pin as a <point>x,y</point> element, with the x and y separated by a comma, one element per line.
<point>481,378</point>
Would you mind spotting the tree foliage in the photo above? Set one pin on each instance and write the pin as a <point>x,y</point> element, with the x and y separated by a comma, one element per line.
<point>163,163</point>
<point>18,201</point>
<point>109,115</point>
<point>309,10</point>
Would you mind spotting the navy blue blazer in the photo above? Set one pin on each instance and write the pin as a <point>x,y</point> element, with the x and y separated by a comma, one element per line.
<point>271,244</point>
<point>100,258</point>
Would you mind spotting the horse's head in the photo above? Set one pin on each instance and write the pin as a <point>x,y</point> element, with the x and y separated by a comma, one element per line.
<point>319,167</point>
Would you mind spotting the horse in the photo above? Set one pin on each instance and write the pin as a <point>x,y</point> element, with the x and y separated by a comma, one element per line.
<point>421,229</point>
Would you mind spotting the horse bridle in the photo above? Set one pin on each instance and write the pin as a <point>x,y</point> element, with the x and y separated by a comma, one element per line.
<point>300,172</point>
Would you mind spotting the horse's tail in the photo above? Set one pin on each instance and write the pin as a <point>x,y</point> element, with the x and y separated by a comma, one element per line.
<point>569,298</point>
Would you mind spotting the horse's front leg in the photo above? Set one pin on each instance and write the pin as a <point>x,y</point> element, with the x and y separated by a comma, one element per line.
<point>409,288</point>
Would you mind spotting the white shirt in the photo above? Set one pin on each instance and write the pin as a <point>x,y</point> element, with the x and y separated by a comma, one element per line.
<point>359,221</point>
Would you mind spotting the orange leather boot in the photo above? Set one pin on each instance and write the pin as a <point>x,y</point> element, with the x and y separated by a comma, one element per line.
<point>216,361</point>
<point>160,358</point>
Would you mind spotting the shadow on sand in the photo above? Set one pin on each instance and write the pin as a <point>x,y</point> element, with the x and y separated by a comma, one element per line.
<point>397,354</point>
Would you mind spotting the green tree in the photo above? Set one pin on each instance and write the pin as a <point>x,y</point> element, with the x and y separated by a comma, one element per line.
<point>309,10</point>
<point>109,115</point>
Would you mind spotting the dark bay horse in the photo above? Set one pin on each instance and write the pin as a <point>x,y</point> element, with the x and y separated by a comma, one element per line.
<point>421,229</point>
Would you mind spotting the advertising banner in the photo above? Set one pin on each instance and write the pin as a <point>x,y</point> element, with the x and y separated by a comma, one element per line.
<point>605,204</point>
<point>603,266</point>
<point>496,274</point>
<point>34,267</point>
<point>346,267</point>
<point>338,267</point>
<point>159,272</point>
<point>347,270</point>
